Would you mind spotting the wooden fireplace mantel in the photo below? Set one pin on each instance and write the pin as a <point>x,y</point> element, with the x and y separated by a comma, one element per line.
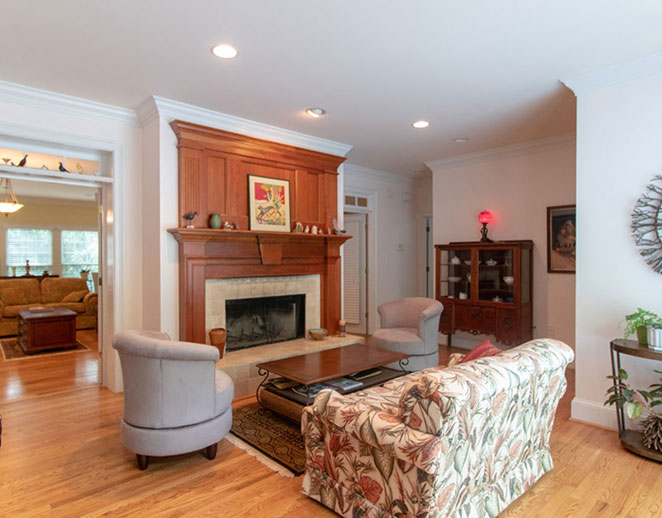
<point>223,254</point>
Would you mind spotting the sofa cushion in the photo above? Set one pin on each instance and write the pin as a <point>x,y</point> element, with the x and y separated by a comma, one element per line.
<point>13,297</point>
<point>400,339</point>
<point>13,311</point>
<point>420,404</point>
<point>29,287</point>
<point>482,350</point>
<point>78,307</point>
<point>54,289</point>
<point>75,296</point>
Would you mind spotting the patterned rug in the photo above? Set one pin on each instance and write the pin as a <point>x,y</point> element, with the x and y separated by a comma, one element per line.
<point>276,437</point>
<point>12,351</point>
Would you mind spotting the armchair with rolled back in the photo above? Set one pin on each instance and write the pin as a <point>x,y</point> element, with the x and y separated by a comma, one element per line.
<point>175,400</point>
<point>410,326</point>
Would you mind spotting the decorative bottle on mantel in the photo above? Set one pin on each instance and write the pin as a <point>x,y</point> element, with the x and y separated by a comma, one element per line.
<point>215,220</point>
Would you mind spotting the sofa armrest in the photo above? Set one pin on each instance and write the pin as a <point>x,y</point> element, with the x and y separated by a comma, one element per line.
<point>374,420</point>
<point>91,301</point>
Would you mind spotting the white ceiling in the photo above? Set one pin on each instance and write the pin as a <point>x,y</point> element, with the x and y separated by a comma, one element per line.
<point>482,69</point>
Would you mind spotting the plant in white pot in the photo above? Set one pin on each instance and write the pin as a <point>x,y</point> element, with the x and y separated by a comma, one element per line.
<point>635,403</point>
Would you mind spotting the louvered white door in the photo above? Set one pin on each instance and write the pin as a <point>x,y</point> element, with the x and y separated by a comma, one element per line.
<point>354,273</point>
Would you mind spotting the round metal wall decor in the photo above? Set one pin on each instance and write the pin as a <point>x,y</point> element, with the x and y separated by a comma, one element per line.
<point>647,224</point>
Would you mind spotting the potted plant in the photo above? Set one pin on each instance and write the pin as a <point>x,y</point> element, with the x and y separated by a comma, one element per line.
<point>634,402</point>
<point>636,324</point>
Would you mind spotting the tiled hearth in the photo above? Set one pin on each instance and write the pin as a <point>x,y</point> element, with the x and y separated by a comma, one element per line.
<point>241,365</point>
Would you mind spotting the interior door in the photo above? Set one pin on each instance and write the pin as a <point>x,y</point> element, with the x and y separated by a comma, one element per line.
<point>355,279</point>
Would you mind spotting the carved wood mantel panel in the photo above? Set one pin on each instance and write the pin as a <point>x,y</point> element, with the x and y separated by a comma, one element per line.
<point>221,254</point>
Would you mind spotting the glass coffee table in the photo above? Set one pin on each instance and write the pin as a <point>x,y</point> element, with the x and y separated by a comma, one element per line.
<point>357,362</point>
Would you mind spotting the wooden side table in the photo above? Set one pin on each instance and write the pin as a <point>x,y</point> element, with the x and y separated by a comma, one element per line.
<point>631,439</point>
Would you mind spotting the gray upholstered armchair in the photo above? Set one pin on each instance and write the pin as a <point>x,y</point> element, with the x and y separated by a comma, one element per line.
<point>411,326</point>
<point>175,400</point>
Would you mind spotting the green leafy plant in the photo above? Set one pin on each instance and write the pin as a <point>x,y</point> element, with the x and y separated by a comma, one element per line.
<point>632,400</point>
<point>639,318</point>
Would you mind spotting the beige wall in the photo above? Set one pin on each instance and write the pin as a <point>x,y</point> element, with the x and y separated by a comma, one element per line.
<point>516,185</point>
<point>47,214</point>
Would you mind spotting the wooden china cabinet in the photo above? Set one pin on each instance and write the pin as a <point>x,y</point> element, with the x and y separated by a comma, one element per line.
<point>486,288</point>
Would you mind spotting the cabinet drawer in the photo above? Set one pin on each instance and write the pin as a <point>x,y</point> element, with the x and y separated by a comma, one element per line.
<point>475,318</point>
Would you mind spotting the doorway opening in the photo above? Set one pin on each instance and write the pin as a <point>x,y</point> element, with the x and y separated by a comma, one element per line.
<point>51,263</point>
<point>355,273</point>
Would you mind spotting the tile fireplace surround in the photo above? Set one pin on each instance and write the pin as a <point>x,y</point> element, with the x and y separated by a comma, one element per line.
<point>218,291</point>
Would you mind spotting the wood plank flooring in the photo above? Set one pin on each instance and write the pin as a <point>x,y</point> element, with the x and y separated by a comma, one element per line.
<point>48,374</point>
<point>61,457</point>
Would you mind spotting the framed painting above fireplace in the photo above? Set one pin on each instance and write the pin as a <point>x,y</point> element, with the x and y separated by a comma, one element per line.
<point>269,204</point>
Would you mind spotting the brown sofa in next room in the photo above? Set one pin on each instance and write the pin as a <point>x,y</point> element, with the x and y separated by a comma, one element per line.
<point>71,293</point>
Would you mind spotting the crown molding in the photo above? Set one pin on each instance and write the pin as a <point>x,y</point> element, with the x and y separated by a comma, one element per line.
<point>504,151</point>
<point>644,66</point>
<point>67,104</point>
<point>175,110</point>
<point>357,171</point>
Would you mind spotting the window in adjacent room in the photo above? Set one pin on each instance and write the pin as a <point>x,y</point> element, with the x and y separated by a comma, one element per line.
<point>80,251</point>
<point>28,244</point>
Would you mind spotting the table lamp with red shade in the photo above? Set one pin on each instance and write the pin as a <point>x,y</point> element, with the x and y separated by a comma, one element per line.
<point>485,217</point>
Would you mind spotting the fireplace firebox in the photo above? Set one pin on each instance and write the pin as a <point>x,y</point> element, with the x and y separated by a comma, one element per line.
<point>264,320</point>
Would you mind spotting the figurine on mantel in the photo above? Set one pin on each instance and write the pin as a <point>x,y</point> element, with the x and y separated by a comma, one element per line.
<point>227,226</point>
<point>298,227</point>
<point>320,231</point>
<point>189,217</point>
<point>314,229</point>
<point>307,231</point>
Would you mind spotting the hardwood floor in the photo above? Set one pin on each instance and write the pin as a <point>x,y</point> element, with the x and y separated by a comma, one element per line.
<point>48,374</point>
<point>61,457</point>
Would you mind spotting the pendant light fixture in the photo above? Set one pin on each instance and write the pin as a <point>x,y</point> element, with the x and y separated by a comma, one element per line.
<point>8,202</point>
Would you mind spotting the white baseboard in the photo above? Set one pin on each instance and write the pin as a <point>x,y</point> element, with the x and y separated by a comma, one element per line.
<point>595,413</point>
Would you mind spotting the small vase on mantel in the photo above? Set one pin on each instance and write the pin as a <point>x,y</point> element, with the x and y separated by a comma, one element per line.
<point>215,220</point>
<point>217,338</point>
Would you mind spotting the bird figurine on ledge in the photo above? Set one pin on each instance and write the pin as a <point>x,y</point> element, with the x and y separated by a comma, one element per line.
<point>22,162</point>
<point>62,168</point>
<point>189,217</point>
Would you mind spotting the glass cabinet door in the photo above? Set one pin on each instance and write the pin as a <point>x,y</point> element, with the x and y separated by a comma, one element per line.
<point>455,274</point>
<point>495,275</point>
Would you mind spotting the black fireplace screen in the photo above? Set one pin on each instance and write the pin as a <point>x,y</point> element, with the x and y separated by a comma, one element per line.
<point>264,320</point>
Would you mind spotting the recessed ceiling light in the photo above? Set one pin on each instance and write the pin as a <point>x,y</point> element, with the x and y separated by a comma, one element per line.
<point>420,124</point>
<point>224,51</point>
<point>461,140</point>
<point>315,112</point>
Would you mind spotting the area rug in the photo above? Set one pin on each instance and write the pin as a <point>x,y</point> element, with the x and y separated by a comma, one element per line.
<point>276,437</point>
<point>12,351</point>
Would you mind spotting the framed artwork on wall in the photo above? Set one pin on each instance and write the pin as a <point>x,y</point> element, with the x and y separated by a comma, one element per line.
<point>269,204</point>
<point>561,238</point>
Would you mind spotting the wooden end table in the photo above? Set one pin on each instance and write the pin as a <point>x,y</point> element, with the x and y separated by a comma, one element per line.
<point>43,330</point>
<point>631,439</point>
<point>321,366</point>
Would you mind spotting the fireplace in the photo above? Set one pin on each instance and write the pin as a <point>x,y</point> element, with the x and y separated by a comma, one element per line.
<point>264,320</point>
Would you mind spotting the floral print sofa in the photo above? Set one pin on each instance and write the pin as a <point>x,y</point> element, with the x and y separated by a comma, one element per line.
<point>460,442</point>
